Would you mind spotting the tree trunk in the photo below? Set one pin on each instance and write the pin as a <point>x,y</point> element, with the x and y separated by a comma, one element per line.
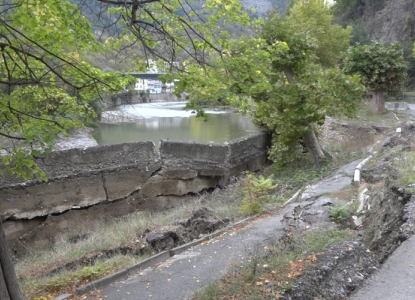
<point>378,101</point>
<point>4,294</point>
<point>309,137</point>
<point>7,270</point>
<point>313,146</point>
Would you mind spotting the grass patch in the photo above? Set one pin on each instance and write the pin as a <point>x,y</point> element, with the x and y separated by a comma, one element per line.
<point>366,115</point>
<point>405,163</point>
<point>67,280</point>
<point>351,149</point>
<point>298,174</point>
<point>266,277</point>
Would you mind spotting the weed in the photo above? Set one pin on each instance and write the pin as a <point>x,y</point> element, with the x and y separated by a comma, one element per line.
<point>50,285</point>
<point>298,174</point>
<point>340,214</point>
<point>405,163</point>
<point>255,192</point>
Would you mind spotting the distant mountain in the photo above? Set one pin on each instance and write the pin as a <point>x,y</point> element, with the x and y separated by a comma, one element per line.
<point>263,6</point>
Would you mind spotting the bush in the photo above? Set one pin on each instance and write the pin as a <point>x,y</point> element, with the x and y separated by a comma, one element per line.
<point>255,191</point>
<point>340,214</point>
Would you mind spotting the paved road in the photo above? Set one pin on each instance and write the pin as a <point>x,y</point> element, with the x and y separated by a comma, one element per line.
<point>179,277</point>
<point>395,280</point>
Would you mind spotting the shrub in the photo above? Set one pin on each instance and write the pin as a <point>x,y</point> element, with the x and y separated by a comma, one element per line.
<point>255,191</point>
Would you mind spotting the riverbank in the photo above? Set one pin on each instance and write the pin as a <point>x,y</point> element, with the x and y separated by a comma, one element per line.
<point>95,251</point>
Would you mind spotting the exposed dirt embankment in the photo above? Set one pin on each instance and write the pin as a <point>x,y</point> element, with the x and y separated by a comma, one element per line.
<point>386,220</point>
<point>390,201</point>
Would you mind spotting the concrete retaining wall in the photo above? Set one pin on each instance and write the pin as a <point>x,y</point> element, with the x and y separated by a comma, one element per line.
<point>396,105</point>
<point>113,180</point>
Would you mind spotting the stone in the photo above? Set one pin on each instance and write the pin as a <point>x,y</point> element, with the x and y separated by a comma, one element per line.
<point>162,241</point>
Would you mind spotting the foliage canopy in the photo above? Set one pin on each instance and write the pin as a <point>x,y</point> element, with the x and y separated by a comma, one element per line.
<point>315,19</point>
<point>45,88</point>
<point>274,78</point>
<point>381,67</point>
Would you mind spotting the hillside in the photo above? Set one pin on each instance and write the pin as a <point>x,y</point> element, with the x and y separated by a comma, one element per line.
<point>390,21</point>
<point>381,20</point>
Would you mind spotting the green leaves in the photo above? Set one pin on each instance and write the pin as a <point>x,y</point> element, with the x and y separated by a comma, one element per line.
<point>381,67</point>
<point>315,17</point>
<point>272,77</point>
<point>46,87</point>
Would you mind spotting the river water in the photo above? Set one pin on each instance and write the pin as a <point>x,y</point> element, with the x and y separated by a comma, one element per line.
<point>168,120</point>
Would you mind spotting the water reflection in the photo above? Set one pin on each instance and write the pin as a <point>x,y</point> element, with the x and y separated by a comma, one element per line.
<point>220,127</point>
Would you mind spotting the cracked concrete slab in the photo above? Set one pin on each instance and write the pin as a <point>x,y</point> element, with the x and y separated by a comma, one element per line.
<point>328,185</point>
<point>349,169</point>
<point>395,279</point>
<point>332,184</point>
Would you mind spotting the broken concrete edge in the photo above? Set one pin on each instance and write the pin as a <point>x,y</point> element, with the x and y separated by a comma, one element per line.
<point>293,198</point>
<point>152,261</point>
<point>356,178</point>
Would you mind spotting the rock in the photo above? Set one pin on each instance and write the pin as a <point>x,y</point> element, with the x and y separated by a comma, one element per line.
<point>380,173</point>
<point>162,241</point>
<point>356,222</point>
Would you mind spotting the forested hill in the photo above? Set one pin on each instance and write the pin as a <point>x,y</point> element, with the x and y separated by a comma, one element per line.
<point>263,6</point>
<point>384,20</point>
<point>93,9</point>
<point>381,20</point>
<point>105,25</point>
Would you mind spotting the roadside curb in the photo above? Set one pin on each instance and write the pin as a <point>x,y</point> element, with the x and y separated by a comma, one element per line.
<point>152,261</point>
<point>356,178</point>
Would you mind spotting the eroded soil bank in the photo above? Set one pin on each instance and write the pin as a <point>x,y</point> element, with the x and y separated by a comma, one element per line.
<point>386,219</point>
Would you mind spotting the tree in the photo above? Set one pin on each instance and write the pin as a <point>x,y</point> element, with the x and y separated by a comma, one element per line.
<point>45,89</point>
<point>273,76</point>
<point>381,67</point>
<point>315,19</point>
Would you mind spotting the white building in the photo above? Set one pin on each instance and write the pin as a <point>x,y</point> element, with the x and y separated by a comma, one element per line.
<point>141,85</point>
<point>154,86</point>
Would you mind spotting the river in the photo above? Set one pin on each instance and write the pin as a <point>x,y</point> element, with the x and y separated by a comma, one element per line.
<point>168,120</point>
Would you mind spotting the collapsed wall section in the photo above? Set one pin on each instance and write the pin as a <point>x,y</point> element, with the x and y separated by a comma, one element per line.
<point>212,159</point>
<point>248,153</point>
<point>117,179</point>
<point>79,178</point>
